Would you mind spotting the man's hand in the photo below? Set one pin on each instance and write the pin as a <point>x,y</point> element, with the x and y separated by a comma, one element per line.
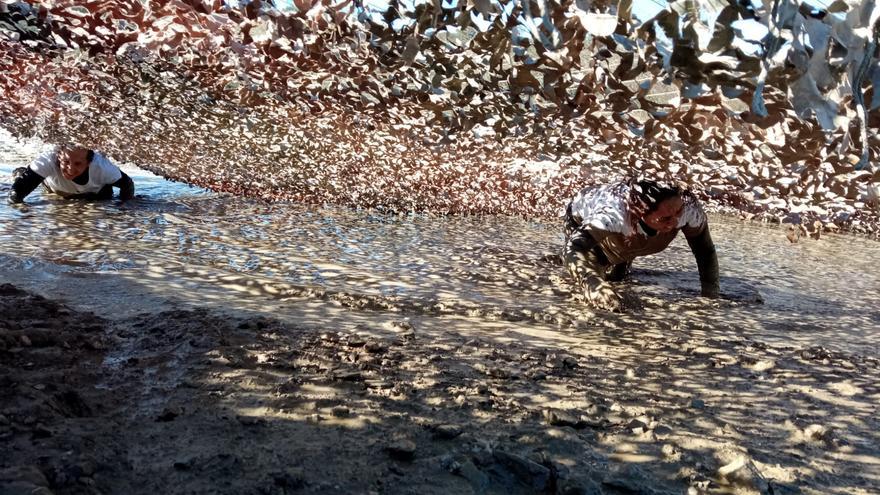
<point>24,181</point>
<point>126,187</point>
<point>710,290</point>
<point>601,295</point>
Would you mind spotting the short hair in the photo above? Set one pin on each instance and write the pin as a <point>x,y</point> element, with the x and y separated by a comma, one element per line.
<point>651,193</point>
<point>644,195</point>
<point>68,147</point>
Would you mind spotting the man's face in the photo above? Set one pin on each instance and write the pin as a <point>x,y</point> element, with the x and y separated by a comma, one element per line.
<point>73,162</point>
<point>665,218</point>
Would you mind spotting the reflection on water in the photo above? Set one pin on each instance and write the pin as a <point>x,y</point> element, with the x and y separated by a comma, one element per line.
<point>820,293</point>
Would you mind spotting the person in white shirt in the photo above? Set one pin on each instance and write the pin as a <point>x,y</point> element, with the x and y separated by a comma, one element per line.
<point>608,226</point>
<point>73,172</point>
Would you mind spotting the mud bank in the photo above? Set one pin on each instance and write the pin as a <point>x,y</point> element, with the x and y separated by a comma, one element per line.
<point>207,401</point>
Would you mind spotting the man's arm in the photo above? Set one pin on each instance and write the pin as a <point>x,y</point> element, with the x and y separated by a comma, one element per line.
<point>24,182</point>
<point>707,262</point>
<point>126,187</point>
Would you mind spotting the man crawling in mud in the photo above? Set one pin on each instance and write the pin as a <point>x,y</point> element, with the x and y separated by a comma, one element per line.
<point>73,172</point>
<point>608,226</point>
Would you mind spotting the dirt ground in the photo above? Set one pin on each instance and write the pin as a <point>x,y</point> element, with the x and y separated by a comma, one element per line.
<point>201,400</point>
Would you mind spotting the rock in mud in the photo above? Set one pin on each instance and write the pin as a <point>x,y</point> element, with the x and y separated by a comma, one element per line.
<point>374,347</point>
<point>555,417</point>
<point>169,414</point>
<point>631,479</point>
<point>581,486</point>
<point>349,376</point>
<point>742,472</point>
<point>447,432</point>
<point>818,433</point>
<point>638,426</point>
<point>479,480</point>
<point>670,452</point>
<point>340,412</point>
<point>251,420</point>
<point>402,449</point>
<point>527,472</point>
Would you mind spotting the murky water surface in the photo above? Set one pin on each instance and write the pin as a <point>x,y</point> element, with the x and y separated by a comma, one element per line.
<point>824,293</point>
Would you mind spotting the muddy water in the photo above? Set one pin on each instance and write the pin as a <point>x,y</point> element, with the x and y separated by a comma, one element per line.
<point>180,241</point>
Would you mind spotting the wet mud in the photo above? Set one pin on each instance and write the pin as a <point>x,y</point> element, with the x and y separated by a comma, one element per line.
<point>195,401</point>
<point>187,342</point>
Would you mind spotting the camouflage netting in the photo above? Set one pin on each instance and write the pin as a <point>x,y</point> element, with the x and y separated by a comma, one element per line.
<point>462,107</point>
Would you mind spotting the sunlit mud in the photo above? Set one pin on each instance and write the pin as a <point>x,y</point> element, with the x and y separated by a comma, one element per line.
<point>382,324</point>
<point>822,292</point>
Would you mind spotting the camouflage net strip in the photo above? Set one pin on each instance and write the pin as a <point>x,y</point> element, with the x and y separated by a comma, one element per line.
<point>461,107</point>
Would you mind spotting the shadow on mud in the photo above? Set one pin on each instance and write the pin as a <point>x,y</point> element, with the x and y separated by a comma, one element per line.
<point>197,401</point>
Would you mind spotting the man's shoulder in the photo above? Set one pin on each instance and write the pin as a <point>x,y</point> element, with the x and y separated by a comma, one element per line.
<point>102,161</point>
<point>46,163</point>
<point>693,218</point>
<point>603,207</point>
<point>109,172</point>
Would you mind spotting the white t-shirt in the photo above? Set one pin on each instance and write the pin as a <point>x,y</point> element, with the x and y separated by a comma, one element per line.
<point>604,208</point>
<point>101,172</point>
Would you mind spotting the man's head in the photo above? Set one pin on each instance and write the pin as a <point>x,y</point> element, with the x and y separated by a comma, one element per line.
<point>73,161</point>
<point>662,206</point>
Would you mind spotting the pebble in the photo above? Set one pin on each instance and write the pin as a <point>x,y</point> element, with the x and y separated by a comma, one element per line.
<point>537,375</point>
<point>669,451</point>
<point>698,404</point>
<point>500,373</point>
<point>402,449</point>
<point>636,426</point>
<point>817,432</point>
<point>528,472</point>
<point>580,487</point>
<point>349,376</point>
<point>374,347</point>
<point>479,480</point>
<point>402,324</point>
<point>169,413</point>
<point>340,412</point>
<point>556,417</point>
<point>742,472</point>
<point>250,420</point>
<point>630,479</point>
<point>447,431</point>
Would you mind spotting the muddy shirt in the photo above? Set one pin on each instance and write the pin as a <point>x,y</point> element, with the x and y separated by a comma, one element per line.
<point>603,212</point>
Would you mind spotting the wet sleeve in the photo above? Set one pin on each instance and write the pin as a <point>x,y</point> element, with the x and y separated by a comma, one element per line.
<point>24,182</point>
<point>707,261</point>
<point>126,187</point>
